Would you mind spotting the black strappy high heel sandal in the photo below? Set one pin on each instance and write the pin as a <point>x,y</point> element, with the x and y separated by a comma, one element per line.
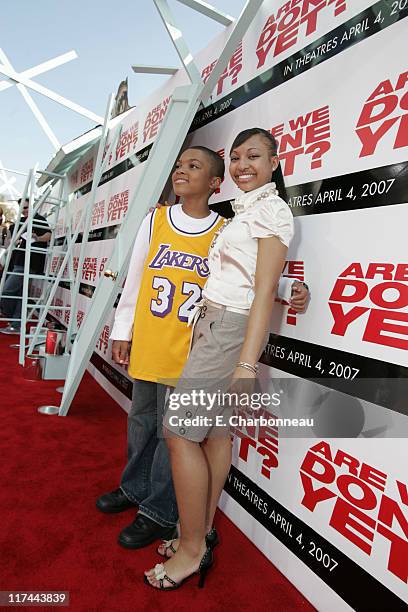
<point>211,540</point>
<point>168,545</point>
<point>160,574</point>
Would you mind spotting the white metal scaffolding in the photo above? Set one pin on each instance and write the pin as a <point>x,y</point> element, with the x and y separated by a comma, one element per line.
<point>24,227</point>
<point>83,227</point>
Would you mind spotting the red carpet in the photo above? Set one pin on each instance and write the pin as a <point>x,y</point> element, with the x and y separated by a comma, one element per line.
<point>53,538</point>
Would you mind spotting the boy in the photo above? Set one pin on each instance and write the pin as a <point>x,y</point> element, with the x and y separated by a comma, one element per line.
<point>167,271</point>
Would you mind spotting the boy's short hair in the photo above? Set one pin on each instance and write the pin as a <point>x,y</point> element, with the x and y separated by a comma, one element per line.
<point>216,161</point>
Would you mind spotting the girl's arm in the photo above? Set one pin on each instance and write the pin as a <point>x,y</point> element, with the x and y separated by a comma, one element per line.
<point>269,264</point>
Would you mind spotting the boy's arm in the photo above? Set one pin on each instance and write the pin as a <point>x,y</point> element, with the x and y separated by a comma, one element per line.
<point>125,311</point>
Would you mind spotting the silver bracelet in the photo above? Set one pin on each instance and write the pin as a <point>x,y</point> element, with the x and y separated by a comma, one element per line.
<point>248,366</point>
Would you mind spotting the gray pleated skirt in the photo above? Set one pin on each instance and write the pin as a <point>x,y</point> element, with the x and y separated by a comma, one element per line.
<point>197,408</point>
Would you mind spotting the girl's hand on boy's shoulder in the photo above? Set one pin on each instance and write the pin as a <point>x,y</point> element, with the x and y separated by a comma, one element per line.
<point>158,205</point>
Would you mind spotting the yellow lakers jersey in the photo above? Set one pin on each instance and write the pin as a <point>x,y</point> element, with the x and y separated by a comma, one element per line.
<point>174,273</point>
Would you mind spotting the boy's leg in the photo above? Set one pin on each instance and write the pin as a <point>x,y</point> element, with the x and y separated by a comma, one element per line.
<point>160,503</point>
<point>141,440</point>
<point>141,443</point>
<point>157,516</point>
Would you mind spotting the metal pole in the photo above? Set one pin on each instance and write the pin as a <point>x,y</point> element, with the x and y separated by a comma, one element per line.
<point>16,171</point>
<point>178,40</point>
<point>46,287</point>
<point>98,171</point>
<point>26,278</point>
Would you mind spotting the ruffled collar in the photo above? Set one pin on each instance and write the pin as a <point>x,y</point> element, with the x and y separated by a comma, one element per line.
<point>247,200</point>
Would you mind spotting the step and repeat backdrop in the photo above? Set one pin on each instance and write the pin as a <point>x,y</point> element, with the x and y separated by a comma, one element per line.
<point>329,78</point>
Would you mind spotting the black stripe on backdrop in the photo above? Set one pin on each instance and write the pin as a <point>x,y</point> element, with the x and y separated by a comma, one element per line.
<point>88,291</point>
<point>117,379</point>
<point>296,64</point>
<point>108,232</point>
<point>84,288</point>
<point>348,579</point>
<point>374,19</point>
<point>384,186</point>
<point>133,161</point>
<point>104,233</point>
<point>369,379</point>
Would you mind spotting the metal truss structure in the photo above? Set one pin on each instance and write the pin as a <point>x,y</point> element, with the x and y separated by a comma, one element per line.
<point>23,81</point>
<point>23,230</point>
<point>7,183</point>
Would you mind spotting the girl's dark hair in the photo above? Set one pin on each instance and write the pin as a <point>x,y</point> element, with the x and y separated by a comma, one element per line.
<point>277,176</point>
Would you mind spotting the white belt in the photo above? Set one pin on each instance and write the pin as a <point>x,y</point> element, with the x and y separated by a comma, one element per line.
<point>200,307</point>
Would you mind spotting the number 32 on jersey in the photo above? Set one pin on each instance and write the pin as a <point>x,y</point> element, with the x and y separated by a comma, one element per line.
<point>162,304</point>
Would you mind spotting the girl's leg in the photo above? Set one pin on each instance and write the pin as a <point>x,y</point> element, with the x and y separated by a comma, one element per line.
<point>190,477</point>
<point>218,452</point>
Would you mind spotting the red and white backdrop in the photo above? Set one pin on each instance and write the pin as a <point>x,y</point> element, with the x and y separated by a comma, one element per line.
<point>329,78</point>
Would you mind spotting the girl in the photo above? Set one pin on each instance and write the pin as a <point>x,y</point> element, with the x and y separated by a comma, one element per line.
<point>245,262</point>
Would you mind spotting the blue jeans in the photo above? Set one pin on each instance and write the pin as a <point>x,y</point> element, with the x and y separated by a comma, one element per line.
<point>146,479</point>
<point>13,286</point>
